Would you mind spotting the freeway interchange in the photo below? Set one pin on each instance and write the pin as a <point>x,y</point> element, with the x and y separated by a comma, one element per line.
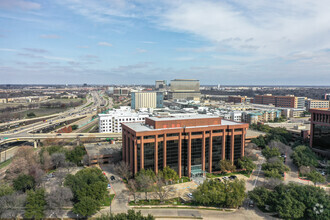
<point>35,130</point>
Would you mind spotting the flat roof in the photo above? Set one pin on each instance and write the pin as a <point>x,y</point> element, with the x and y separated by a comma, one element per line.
<point>140,127</point>
<point>94,149</point>
<point>182,117</point>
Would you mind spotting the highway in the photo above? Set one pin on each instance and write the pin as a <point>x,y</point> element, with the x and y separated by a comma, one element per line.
<point>81,116</point>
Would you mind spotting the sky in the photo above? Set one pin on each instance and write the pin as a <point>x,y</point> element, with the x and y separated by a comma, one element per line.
<point>226,42</point>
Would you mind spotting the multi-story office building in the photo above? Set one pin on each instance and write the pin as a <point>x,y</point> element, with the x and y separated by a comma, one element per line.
<point>317,104</point>
<point>111,122</point>
<point>160,84</point>
<point>121,91</point>
<point>189,145</point>
<point>147,100</point>
<point>288,101</point>
<point>320,131</point>
<point>185,89</point>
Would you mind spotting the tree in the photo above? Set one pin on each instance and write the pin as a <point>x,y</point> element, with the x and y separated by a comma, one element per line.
<point>45,160</point>
<point>303,156</point>
<point>132,187</point>
<point>88,186</point>
<point>274,169</point>
<point>161,189</point>
<point>259,141</point>
<point>11,205</point>
<point>76,155</point>
<point>123,170</point>
<point>220,194</point>
<point>130,215</point>
<point>5,189</point>
<point>315,177</point>
<point>35,204</point>
<point>235,193</point>
<point>58,159</point>
<point>145,183</point>
<point>31,114</point>
<point>86,206</point>
<point>270,152</point>
<point>293,201</point>
<point>260,195</point>
<point>227,166</point>
<point>58,198</point>
<point>169,174</point>
<point>74,127</point>
<point>246,164</point>
<point>23,183</point>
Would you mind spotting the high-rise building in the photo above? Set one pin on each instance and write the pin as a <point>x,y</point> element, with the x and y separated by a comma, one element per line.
<point>190,145</point>
<point>188,89</point>
<point>320,131</point>
<point>146,99</point>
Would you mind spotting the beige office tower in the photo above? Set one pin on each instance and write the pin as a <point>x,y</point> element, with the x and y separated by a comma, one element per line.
<point>185,89</point>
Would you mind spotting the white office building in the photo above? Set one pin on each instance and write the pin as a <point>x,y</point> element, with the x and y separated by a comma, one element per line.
<point>111,122</point>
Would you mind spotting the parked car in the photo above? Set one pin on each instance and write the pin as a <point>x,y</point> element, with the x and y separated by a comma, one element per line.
<point>225,178</point>
<point>112,178</point>
<point>190,195</point>
<point>251,203</point>
<point>219,179</point>
<point>232,177</point>
<point>58,134</point>
<point>109,186</point>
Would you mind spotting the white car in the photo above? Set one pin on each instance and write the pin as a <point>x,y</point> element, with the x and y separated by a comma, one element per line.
<point>190,195</point>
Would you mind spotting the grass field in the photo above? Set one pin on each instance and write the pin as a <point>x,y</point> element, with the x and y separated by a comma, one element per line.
<point>4,164</point>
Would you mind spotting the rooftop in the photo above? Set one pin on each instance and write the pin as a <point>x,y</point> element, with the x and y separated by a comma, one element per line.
<point>141,127</point>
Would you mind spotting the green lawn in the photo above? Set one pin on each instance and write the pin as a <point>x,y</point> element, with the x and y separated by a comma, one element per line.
<point>5,163</point>
<point>106,201</point>
<point>175,201</point>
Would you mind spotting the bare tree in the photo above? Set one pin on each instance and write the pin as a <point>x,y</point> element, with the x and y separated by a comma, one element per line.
<point>161,189</point>
<point>271,183</point>
<point>57,199</point>
<point>86,160</point>
<point>132,187</point>
<point>58,159</point>
<point>123,170</point>
<point>145,183</point>
<point>69,166</point>
<point>284,149</point>
<point>46,161</point>
<point>304,170</point>
<point>12,205</point>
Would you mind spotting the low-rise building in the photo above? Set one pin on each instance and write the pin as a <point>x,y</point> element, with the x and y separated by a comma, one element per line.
<point>317,104</point>
<point>111,122</point>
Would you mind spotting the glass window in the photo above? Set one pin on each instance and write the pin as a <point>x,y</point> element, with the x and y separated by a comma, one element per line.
<point>149,157</point>
<point>172,158</point>
<point>149,137</point>
<point>172,135</point>
<point>196,133</point>
<point>216,153</point>
<point>237,148</point>
<point>216,131</point>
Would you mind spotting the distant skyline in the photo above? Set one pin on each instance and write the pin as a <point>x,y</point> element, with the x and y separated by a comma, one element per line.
<point>228,42</point>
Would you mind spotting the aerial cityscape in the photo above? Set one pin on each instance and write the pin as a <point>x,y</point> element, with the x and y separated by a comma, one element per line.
<point>116,109</point>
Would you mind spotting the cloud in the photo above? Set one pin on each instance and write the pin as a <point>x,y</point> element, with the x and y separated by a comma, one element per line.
<point>20,4</point>
<point>36,50</point>
<point>148,42</point>
<point>268,28</point>
<point>139,50</point>
<point>184,58</point>
<point>106,44</point>
<point>50,36</point>
<point>8,50</point>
